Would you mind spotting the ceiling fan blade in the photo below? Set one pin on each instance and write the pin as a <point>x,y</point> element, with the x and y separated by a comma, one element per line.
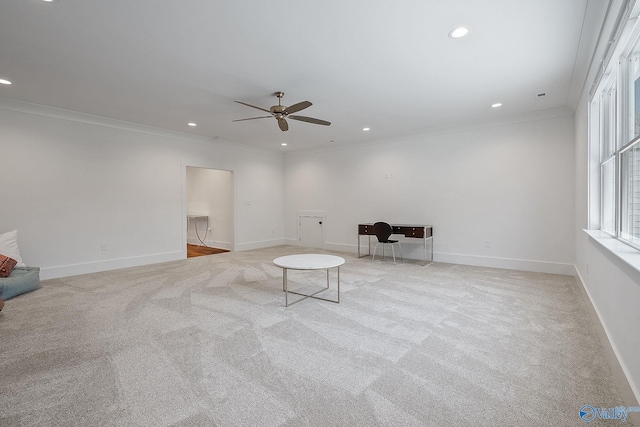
<point>284,126</point>
<point>252,106</point>
<point>310,120</point>
<point>253,118</point>
<point>298,107</point>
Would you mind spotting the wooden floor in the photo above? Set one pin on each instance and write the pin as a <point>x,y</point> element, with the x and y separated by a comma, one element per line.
<point>195,250</point>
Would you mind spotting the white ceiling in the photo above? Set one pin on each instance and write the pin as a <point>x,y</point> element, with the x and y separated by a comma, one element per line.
<point>386,65</point>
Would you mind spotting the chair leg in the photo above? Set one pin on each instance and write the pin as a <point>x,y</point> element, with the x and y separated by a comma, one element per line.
<point>393,252</point>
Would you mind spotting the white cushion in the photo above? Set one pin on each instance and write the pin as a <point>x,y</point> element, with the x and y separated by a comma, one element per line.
<point>9,246</point>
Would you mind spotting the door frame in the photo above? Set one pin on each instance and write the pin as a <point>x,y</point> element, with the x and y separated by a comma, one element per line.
<point>183,170</point>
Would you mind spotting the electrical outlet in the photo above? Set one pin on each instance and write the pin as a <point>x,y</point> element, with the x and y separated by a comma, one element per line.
<point>103,246</point>
<point>487,244</point>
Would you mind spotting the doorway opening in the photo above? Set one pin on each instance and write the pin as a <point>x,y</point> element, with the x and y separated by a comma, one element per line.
<point>209,207</point>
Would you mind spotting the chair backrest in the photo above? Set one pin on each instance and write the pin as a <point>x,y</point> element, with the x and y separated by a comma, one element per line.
<point>383,230</point>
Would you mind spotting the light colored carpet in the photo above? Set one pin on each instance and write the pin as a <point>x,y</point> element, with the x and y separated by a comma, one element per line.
<point>207,341</point>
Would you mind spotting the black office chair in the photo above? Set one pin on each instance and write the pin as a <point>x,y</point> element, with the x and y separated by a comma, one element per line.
<point>383,231</point>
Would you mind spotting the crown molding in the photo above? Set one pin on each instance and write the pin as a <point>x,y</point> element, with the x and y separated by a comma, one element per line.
<point>445,130</point>
<point>74,116</point>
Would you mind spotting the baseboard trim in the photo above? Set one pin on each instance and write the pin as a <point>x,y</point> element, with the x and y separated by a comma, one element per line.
<point>112,264</point>
<point>115,264</point>
<point>210,243</point>
<point>260,244</point>
<point>628,391</point>
<point>479,261</point>
<point>507,263</point>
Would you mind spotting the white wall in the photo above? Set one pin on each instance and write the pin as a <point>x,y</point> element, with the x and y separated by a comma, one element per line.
<point>612,286</point>
<point>210,193</point>
<point>72,181</point>
<point>509,183</point>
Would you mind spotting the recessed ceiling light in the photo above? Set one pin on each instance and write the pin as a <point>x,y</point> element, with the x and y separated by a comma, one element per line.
<point>284,144</point>
<point>456,33</point>
<point>496,105</point>
<point>366,129</point>
<point>192,124</point>
<point>5,82</point>
<point>48,1</point>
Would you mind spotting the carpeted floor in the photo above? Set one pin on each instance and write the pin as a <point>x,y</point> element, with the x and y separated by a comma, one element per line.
<point>207,342</point>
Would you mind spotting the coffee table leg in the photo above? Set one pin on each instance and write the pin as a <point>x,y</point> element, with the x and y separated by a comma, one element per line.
<point>338,284</point>
<point>285,287</point>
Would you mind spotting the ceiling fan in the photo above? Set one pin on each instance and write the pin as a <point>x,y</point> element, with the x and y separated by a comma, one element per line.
<point>281,113</point>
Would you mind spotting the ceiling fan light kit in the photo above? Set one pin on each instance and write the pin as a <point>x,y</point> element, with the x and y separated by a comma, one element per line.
<point>281,113</point>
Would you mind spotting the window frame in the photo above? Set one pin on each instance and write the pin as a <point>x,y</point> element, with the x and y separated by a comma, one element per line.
<point>614,107</point>
<point>609,129</point>
<point>627,147</point>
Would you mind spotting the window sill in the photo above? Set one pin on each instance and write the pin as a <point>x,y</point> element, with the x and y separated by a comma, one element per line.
<point>622,251</point>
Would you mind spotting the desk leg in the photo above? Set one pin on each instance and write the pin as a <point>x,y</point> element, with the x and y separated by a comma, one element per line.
<point>425,246</point>
<point>430,259</point>
<point>431,242</point>
<point>359,244</point>
<point>430,239</point>
<point>431,246</point>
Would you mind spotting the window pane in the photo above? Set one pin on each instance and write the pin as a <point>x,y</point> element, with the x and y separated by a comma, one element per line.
<point>630,194</point>
<point>634,96</point>
<point>608,196</point>
<point>607,110</point>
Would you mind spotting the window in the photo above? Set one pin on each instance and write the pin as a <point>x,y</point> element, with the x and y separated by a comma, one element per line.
<point>608,159</point>
<point>608,185</point>
<point>634,94</point>
<point>630,194</point>
<point>616,137</point>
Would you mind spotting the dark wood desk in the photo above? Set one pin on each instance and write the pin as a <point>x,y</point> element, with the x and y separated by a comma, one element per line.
<point>424,232</point>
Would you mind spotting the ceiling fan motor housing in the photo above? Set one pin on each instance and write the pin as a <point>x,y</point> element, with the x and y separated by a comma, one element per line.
<point>278,109</point>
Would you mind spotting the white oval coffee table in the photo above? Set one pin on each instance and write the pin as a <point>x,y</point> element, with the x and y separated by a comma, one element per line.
<point>308,262</point>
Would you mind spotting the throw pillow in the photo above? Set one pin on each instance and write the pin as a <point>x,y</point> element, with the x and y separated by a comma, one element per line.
<point>9,247</point>
<point>6,265</point>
